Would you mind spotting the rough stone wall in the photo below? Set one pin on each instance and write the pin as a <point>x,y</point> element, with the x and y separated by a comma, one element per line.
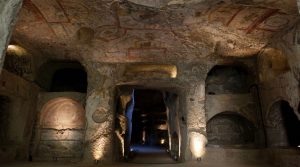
<point>8,15</point>
<point>22,112</point>
<point>278,67</point>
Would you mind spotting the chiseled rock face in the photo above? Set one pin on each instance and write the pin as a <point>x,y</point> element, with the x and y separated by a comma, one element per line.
<point>8,11</point>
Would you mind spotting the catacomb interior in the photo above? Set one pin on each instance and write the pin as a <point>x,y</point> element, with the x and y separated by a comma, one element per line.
<point>179,82</point>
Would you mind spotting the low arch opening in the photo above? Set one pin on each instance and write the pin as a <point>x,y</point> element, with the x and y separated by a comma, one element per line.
<point>229,129</point>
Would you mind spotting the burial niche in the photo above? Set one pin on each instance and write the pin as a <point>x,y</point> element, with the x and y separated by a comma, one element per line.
<point>226,80</point>
<point>230,129</point>
<point>62,125</point>
<point>63,76</point>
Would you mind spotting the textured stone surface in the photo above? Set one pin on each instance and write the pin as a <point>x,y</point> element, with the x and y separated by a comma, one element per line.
<point>8,15</point>
<point>242,104</point>
<point>21,112</point>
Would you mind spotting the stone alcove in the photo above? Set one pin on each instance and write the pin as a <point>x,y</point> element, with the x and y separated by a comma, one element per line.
<point>61,130</point>
<point>230,129</point>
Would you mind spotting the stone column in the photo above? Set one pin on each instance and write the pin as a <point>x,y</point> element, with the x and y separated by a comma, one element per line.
<point>100,115</point>
<point>8,14</point>
<point>196,120</point>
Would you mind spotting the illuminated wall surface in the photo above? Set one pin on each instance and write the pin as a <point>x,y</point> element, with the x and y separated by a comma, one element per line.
<point>62,124</point>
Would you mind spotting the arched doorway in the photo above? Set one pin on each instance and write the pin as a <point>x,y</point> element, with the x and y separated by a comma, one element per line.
<point>230,129</point>
<point>282,125</point>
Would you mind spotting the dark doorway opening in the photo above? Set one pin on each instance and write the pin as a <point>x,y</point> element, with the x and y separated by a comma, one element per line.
<point>283,125</point>
<point>149,122</point>
<point>146,135</point>
<point>291,124</point>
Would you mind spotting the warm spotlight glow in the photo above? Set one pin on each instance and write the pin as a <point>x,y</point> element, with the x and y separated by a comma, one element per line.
<point>174,72</point>
<point>299,146</point>
<point>162,127</point>
<point>197,144</point>
<point>62,113</point>
<point>99,148</point>
<point>156,71</point>
<point>162,141</point>
<point>16,50</point>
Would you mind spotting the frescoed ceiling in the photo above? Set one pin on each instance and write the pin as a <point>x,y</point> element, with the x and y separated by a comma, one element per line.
<point>150,31</point>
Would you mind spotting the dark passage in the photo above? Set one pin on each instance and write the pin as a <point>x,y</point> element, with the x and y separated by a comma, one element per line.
<point>149,141</point>
<point>69,80</point>
<point>291,124</point>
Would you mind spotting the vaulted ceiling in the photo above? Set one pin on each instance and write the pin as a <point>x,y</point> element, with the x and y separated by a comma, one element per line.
<point>151,31</point>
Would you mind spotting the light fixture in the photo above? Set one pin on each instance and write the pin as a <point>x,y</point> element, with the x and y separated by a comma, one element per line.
<point>299,146</point>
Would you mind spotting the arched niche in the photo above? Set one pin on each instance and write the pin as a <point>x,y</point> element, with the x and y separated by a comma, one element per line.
<point>282,125</point>
<point>230,129</point>
<point>61,76</point>
<point>61,130</point>
<point>62,113</point>
<point>223,79</point>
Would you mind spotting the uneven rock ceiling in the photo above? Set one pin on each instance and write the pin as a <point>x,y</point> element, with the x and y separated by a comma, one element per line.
<point>151,31</point>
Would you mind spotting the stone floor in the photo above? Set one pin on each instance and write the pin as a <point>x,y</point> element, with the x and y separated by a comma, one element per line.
<point>186,164</point>
<point>158,157</point>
